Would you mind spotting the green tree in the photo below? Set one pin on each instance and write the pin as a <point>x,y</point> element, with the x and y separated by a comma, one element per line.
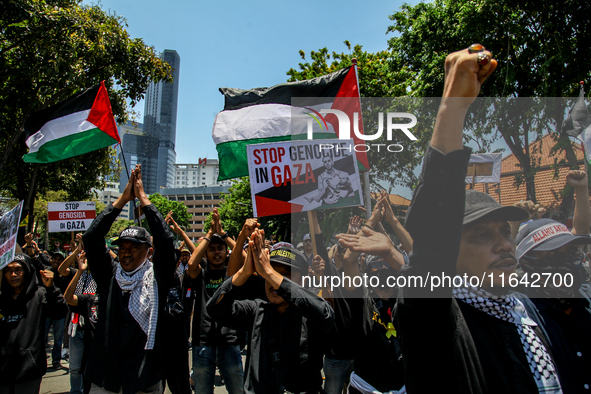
<point>541,48</point>
<point>118,226</point>
<point>49,51</point>
<point>164,205</point>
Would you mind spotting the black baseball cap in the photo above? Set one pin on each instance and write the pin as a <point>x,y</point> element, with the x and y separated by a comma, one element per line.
<point>61,254</point>
<point>134,234</point>
<point>289,256</point>
<point>217,239</point>
<point>479,205</point>
<point>546,234</point>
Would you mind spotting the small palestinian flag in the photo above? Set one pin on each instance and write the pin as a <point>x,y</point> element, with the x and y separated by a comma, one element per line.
<point>264,115</point>
<point>75,126</point>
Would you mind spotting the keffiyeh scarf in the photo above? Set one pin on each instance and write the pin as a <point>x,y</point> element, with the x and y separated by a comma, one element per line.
<point>510,309</point>
<point>143,301</point>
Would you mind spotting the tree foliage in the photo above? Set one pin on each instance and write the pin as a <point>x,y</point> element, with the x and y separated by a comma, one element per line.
<point>164,205</point>
<point>49,51</point>
<point>118,226</point>
<point>541,48</point>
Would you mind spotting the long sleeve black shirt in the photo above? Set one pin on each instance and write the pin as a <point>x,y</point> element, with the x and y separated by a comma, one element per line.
<point>297,335</point>
<point>117,357</point>
<point>448,345</point>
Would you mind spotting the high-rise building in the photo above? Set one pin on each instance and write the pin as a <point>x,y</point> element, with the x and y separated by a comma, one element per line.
<point>135,150</point>
<point>154,145</point>
<point>160,127</point>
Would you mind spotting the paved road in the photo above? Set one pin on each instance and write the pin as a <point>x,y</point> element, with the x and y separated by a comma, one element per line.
<point>58,381</point>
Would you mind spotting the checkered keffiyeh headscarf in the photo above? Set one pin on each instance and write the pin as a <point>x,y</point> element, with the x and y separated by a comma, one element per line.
<point>143,302</point>
<point>510,309</point>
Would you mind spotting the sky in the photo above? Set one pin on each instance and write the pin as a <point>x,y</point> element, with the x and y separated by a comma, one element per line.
<point>244,44</point>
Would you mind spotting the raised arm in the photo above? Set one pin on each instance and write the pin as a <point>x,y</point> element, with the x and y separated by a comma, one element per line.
<point>69,296</point>
<point>392,220</point>
<point>219,230</point>
<point>238,255</point>
<point>64,268</point>
<point>162,238</point>
<point>194,265</point>
<point>582,216</point>
<point>178,230</point>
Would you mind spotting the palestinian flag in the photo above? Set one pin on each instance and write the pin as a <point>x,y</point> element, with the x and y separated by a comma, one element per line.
<point>578,124</point>
<point>75,126</point>
<point>263,115</point>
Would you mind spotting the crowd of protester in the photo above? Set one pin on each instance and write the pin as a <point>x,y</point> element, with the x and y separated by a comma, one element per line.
<point>132,315</point>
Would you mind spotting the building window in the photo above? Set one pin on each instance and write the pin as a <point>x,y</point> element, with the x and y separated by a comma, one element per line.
<point>181,198</point>
<point>194,182</point>
<point>199,198</point>
<point>189,198</point>
<point>202,173</point>
<point>216,196</point>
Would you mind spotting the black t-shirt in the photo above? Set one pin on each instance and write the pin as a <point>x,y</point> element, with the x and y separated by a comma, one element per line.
<point>570,336</point>
<point>87,308</point>
<point>378,357</point>
<point>205,331</point>
<point>342,334</point>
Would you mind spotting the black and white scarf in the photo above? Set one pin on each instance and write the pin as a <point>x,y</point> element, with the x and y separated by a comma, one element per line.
<point>510,309</point>
<point>143,301</point>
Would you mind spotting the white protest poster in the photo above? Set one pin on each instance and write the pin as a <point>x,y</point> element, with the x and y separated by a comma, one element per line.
<point>487,167</point>
<point>300,176</point>
<point>8,231</point>
<point>70,216</point>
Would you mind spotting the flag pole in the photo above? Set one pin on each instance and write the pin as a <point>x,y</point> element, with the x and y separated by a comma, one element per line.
<point>128,175</point>
<point>366,192</point>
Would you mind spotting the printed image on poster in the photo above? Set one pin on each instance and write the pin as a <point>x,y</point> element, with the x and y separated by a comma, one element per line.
<point>303,175</point>
<point>8,231</point>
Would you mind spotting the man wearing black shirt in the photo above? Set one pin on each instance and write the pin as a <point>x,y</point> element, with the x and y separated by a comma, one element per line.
<point>126,351</point>
<point>212,342</point>
<point>287,332</point>
<point>564,309</point>
<point>481,340</point>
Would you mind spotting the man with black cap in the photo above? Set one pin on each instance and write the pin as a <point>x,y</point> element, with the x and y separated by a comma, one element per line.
<point>126,352</point>
<point>24,306</point>
<point>552,260</point>
<point>287,331</point>
<point>213,343</point>
<point>473,336</point>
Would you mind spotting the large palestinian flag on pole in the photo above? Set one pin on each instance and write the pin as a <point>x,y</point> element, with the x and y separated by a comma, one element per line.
<point>75,126</point>
<point>264,115</point>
